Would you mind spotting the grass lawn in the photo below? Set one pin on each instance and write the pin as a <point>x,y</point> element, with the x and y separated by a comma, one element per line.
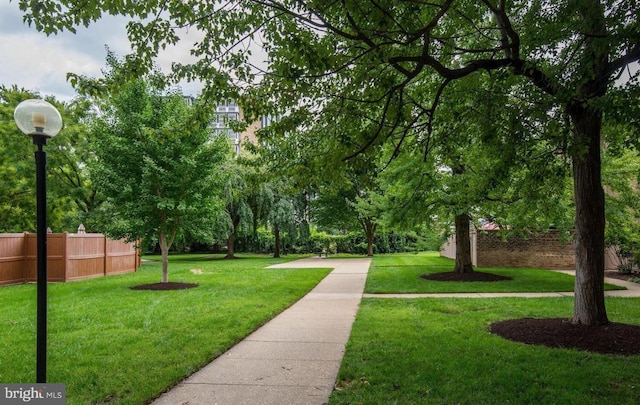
<point>111,344</point>
<point>401,274</point>
<point>439,351</point>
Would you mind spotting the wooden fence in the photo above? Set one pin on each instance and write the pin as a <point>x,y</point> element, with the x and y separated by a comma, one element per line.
<point>69,257</point>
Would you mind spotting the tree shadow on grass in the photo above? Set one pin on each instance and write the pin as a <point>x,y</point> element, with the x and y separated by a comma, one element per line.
<point>455,276</point>
<point>165,286</point>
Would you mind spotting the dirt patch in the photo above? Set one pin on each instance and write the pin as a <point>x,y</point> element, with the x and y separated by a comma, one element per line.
<point>165,286</point>
<point>454,276</point>
<point>614,338</point>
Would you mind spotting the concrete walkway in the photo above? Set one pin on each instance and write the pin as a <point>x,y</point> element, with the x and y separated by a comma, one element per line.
<point>295,357</point>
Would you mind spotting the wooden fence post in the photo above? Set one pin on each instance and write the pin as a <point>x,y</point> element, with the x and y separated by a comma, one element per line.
<point>24,255</point>
<point>65,254</point>
<point>106,254</point>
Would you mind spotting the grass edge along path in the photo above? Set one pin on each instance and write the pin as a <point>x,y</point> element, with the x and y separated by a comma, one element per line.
<point>439,351</point>
<point>111,344</point>
<point>400,274</point>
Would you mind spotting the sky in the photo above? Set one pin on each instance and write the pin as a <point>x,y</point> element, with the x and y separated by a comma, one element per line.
<point>35,62</point>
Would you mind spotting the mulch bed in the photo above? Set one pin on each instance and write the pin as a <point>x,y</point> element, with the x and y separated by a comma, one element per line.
<point>454,276</point>
<point>165,286</point>
<point>614,338</point>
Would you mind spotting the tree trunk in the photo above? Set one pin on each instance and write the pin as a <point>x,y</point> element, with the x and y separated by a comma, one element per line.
<point>231,239</point>
<point>589,307</point>
<point>369,230</point>
<point>164,251</point>
<point>276,235</point>
<point>463,245</point>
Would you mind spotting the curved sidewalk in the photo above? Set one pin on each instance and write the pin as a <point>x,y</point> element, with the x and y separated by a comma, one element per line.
<point>292,359</point>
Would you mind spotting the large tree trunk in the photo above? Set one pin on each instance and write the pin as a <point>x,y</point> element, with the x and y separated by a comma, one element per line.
<point>589,307</point>
<point>164,251</point>
<point>276,235</point>
<point>463,245</point>
<point>370,245</point>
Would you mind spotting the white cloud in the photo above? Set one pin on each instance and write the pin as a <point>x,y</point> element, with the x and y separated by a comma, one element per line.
<point>31,62</point>
<point>37,62</point>
<point>34,61</point>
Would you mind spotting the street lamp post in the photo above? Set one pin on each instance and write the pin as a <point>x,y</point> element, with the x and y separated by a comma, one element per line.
<point>41,121</point>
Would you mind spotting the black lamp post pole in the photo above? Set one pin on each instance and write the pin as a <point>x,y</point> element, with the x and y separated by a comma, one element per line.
<point>40,120</point>
<point>41,219</point>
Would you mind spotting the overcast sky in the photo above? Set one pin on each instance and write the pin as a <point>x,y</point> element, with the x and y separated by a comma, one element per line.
<point>31,60</point>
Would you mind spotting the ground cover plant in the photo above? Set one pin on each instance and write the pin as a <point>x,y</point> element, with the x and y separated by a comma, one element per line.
<point>111,344</point>
<point>440,351</point>
<point>401,274</point>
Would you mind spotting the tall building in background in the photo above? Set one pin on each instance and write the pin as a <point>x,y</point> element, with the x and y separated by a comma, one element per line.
<point>228,111</point>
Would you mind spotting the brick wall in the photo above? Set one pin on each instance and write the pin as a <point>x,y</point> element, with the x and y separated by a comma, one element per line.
<point>543,251</point>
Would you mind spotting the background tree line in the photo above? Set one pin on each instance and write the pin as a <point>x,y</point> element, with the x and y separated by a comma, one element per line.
<point>140,163</point>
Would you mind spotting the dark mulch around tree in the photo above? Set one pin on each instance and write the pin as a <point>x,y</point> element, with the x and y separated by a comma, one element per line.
<point>454,276</point>
<point>164,286</point>
<point>614,338</point>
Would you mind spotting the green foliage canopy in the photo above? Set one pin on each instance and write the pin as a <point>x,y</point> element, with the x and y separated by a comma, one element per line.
<point>157,165</point>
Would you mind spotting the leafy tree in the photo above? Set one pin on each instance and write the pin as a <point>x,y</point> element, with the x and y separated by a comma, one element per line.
<point>236,217</point>
<point>259,200</point>
<point>281,217</point>
<point>569,52</point>
<point>301,204</point>
<point>484,158</point>
<point>157,164</point>
<point>345,194</point>
<point>17,168</point>
<point>270,199</point>
<point>277,203</point>
<point>369,207</point>
<point>349,208</point>
<point>17,192</point>
<point>69,166</point>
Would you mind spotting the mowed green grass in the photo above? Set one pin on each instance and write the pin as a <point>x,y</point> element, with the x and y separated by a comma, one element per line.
<point>439,351</point>
<point>111,344</point>
<point>401,274</point>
